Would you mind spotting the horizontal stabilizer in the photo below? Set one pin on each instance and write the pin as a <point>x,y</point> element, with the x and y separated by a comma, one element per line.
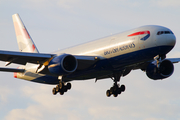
<point>12,70</point>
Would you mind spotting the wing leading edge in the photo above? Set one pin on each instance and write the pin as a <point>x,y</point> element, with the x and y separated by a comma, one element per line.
<point>174,60</point>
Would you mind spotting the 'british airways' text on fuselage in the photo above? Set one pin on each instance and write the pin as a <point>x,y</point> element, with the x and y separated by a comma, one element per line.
<point>119,48</point>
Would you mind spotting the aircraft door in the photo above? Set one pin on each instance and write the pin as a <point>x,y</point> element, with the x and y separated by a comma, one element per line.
<point>113,43</point>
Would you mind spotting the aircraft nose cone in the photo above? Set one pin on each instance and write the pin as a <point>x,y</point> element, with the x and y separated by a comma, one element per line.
<point>167,40</point>
<point>171,40</point>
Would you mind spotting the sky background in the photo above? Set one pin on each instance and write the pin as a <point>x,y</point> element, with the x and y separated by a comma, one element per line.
<point>57,24</point>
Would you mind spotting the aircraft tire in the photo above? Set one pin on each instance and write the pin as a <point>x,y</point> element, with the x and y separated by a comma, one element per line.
<point>57,88</point>
<point>112,90</point>
<point>61,85</point>
<point>123,88</point>
<point>108,93</point>
<point>65,89</point>
<point>115,94</point>
<point>119,91</point>
<point>54,91</point>
<point>61,92</point>
<point>68,86</point>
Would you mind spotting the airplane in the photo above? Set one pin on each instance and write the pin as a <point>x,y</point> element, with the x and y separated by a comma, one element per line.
<point>112,57</point>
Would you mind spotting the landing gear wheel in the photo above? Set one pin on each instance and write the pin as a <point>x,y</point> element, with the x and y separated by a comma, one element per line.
<point>54,91</point>
<point>61,92</point>
<point>119,91</point>
<point>57,88</point>
<point>112,90</point>
<point>122,88</point>
<point>65,89</point>
<point>108,93</point>
<point>115,94</point>
<point>68,86</point>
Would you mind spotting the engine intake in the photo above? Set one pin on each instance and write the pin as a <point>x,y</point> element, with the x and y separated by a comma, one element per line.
<point>165,69</point>
<point>63,64</point>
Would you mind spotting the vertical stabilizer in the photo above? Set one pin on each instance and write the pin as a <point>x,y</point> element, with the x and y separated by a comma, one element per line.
<point>24,40</point>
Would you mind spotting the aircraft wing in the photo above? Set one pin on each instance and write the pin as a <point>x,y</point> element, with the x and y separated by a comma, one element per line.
<point>174,60</point>
<point>23,57</point>
<point>144,65</point>
<point>39,58</point>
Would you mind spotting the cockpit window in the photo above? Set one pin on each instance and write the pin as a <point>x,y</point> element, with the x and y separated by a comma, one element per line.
<point>167,32</point>
<point>164,32</point>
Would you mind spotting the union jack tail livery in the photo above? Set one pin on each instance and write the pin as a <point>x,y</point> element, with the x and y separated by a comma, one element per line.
<point>24,40</point>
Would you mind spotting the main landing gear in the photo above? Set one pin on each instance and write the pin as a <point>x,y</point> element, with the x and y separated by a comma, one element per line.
<point>61,88</point>
<point>116,89</point>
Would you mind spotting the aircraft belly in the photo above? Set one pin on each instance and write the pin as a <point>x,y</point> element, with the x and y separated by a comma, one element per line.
<point>101,68</point>
<point>39,78</point>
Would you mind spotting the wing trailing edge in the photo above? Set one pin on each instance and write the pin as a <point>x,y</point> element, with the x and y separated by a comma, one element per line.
<point>11,70</point>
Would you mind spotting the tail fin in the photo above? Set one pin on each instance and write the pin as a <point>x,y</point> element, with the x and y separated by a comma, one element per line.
<point>24,40</point>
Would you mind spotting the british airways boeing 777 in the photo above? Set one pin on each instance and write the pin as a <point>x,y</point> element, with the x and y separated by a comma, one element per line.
<point>112,57</point>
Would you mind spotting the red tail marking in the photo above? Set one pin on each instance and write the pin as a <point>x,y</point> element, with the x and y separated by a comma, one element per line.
<point>33,47</point>
<point>26,33</point>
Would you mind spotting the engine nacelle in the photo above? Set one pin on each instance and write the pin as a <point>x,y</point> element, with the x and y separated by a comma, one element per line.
<point>166,69</point>
<point>63,64</point>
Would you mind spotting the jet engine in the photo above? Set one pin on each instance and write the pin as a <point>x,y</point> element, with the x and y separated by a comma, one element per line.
<point>63,64</point>
<point>165,69</point>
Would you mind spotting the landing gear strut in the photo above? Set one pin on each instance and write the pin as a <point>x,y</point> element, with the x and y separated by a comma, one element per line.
<point>116,89</point>
<point>61,88</point>
<point>159,58</point>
